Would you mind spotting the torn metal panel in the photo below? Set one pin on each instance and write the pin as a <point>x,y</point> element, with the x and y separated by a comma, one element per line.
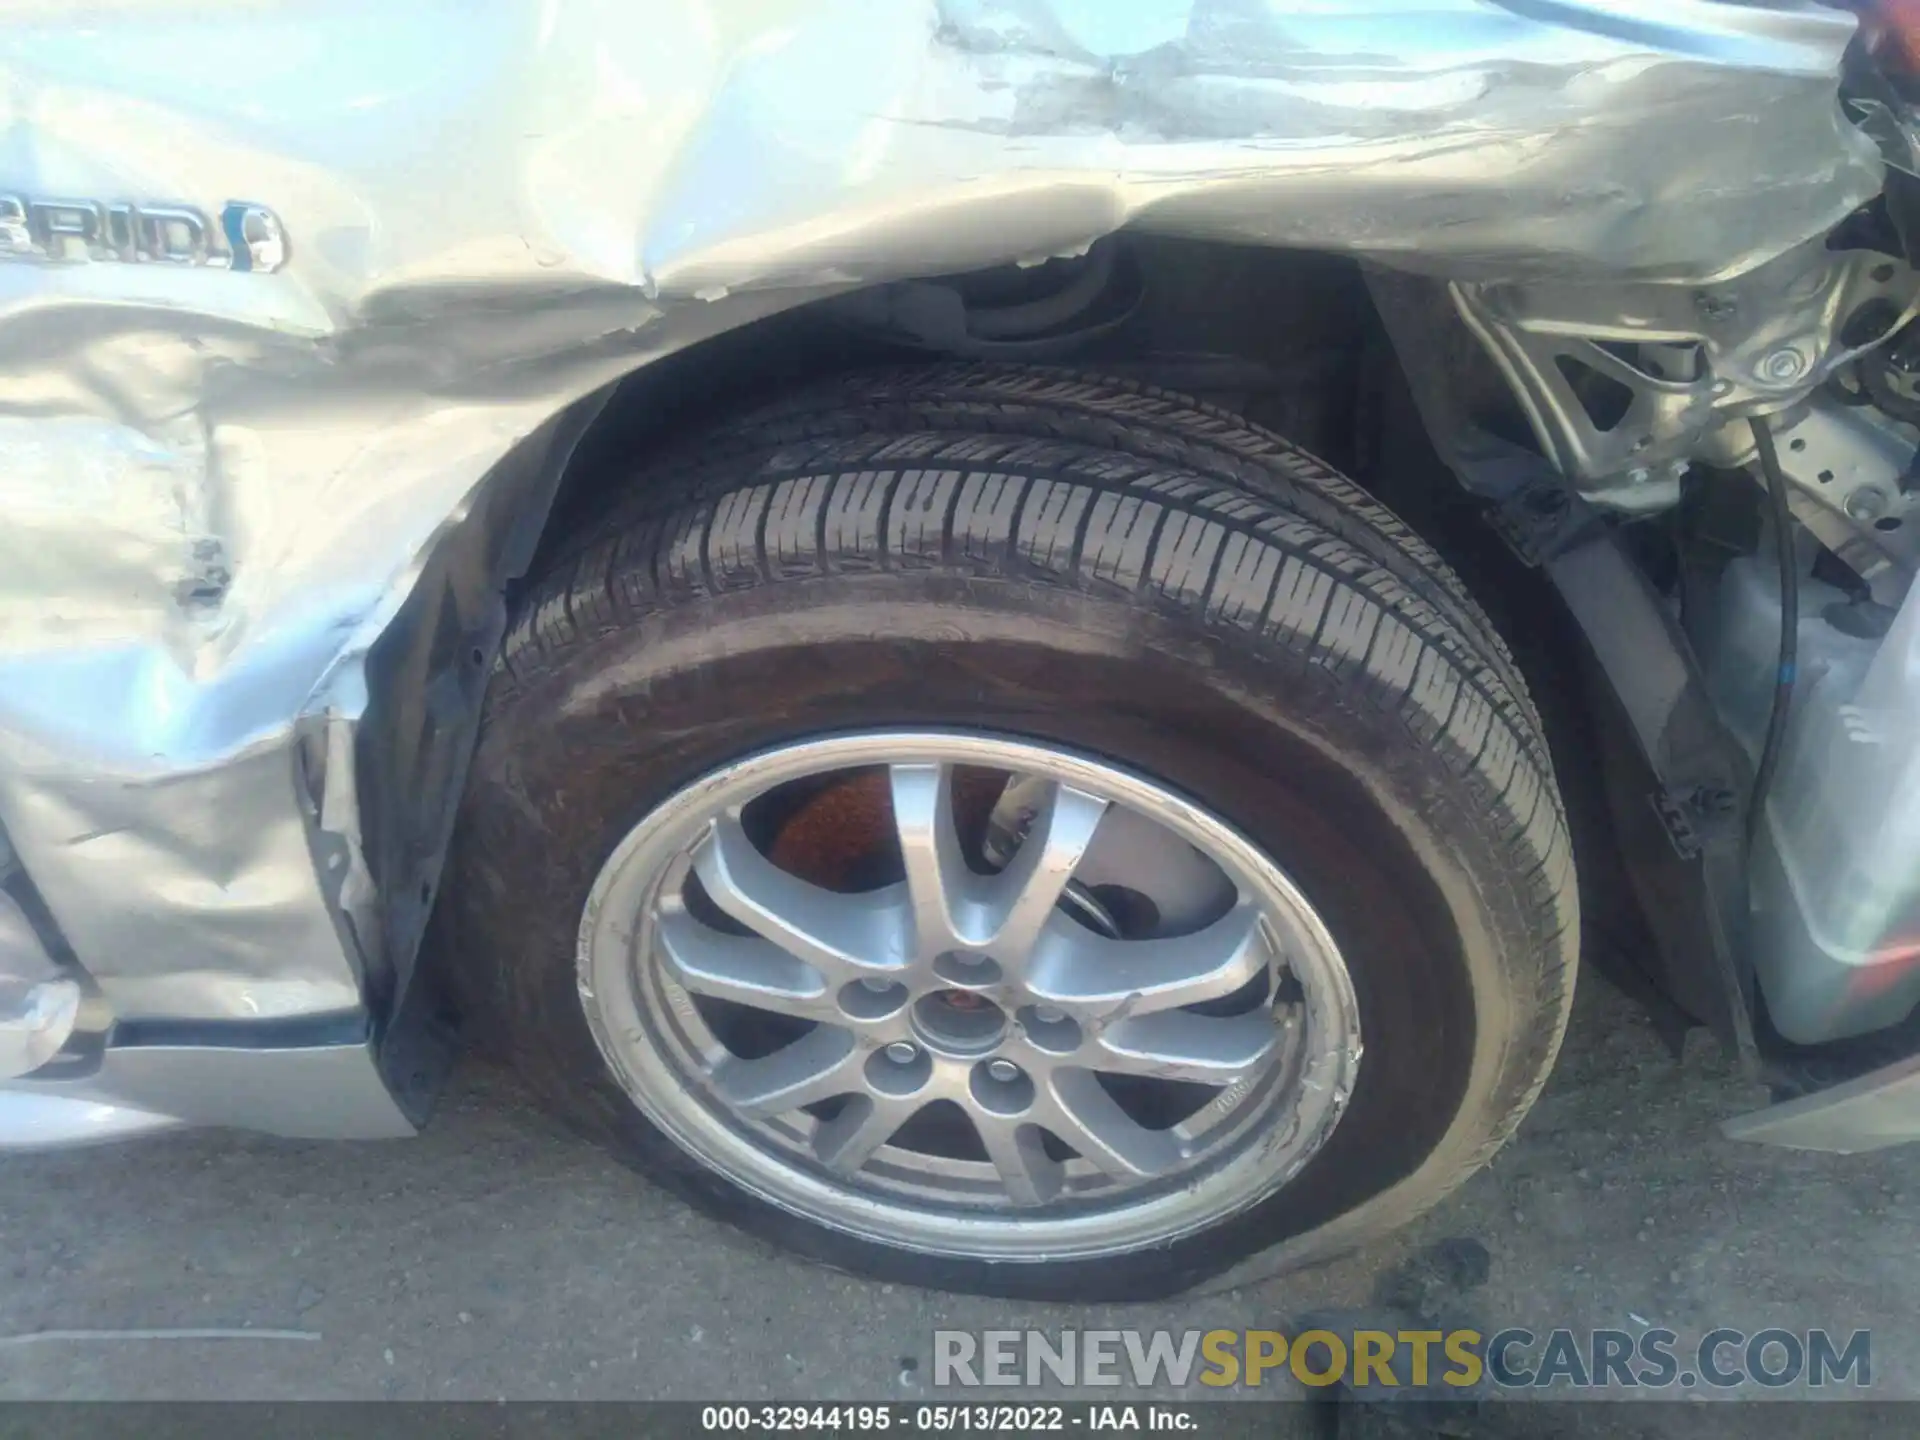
<point>225,485</point>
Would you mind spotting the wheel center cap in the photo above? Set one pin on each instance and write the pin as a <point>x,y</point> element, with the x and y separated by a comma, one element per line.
<point>954,1022</point>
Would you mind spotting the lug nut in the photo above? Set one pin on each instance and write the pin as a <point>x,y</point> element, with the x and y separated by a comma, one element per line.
<point>1005,1071</point>
<point>1047,1015</point>
<point>902,1053</point>
<point>876,985</point>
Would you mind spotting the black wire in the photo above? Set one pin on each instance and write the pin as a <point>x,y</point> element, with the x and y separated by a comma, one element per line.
<point>1789,626</point>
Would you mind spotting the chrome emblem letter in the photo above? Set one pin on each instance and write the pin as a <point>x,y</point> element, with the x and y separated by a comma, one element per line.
<point>55,229</point>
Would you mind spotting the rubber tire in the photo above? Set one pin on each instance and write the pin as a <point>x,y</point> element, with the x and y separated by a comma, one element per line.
<point>1074,560</point>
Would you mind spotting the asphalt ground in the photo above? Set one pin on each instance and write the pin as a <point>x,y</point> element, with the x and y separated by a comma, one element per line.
<point>498,1257</point>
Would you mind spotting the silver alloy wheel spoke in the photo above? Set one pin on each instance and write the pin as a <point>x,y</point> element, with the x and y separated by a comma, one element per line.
<point>1018,902</point>
<point>842,936</point>
<point>1019,1153</point>
<point>955,909</point>
<point>817,1066</point>
<point>1108,1110</point>
<point>930,850</point>
<point>744,969</point>
<point>846,1142</point>
<point>1081,1112</point>
<point>1074,969</point>
<point>1179,1045</point>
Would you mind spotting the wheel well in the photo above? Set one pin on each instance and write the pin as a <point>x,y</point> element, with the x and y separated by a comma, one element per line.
<point>1283,337</point>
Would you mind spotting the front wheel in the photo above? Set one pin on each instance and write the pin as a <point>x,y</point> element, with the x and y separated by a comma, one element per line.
<point>1018,834</point>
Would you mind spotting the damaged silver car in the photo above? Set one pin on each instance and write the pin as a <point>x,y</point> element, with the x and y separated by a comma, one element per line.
<point>1016,643</point>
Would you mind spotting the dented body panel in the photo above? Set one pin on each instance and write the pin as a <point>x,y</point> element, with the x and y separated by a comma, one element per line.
<point>256,518</point>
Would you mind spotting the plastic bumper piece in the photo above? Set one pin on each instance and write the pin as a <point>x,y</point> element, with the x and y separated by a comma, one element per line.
<point>1879,1109</point>
<point>305,1091</point>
